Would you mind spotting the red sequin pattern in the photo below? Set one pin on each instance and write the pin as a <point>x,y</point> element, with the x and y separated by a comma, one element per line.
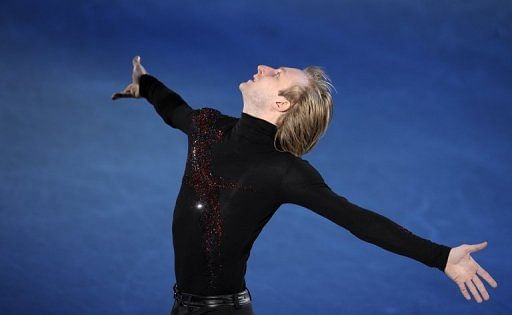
<point>206,185</point>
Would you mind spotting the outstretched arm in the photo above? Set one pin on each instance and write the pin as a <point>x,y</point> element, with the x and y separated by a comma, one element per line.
<point>303,185</point>
<point>168,104</point>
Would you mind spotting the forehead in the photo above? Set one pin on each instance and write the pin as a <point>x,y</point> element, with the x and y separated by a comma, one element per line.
<point>295,74</point>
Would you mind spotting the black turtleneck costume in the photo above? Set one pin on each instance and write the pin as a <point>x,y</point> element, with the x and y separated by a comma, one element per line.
<point>234,182</point>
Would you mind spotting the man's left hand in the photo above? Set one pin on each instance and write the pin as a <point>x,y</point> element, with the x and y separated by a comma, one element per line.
<point>463,269</point>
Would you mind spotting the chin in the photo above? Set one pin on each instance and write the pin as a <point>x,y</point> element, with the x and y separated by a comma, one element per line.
<point>242,85</point>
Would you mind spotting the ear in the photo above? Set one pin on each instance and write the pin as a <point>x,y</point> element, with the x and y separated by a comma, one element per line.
<point>282,105</point>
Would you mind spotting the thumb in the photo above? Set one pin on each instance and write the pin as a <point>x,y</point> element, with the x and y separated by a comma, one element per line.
<point>477,247</point>
<point>136,61</point>
<point>138,69</point>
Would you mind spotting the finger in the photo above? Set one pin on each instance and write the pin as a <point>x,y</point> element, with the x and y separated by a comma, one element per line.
<point>487,277</point>
<point>477,247</point>
<point>136,63</point>
<point>136,60</point>
<point>463,290</point>
<point>473,290</point>
<point>480,286</point>
<point>115,96</point>
<point>127,92</point>
<point>138,68</point>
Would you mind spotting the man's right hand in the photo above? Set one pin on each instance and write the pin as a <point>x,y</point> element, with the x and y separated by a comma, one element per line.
<point>132,90</point>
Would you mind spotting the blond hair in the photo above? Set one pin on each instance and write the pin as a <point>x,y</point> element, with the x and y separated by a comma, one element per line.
<point>306,121</point>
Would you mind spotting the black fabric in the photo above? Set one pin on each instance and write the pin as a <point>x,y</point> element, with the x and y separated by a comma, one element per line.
<point>181,309</point>
<point>234,182</point>
<point>238,303</point>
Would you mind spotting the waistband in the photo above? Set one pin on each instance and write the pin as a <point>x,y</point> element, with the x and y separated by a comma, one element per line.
<point>236,299</point>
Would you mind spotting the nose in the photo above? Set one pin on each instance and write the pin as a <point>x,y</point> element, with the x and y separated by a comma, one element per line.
<point>264,70</point>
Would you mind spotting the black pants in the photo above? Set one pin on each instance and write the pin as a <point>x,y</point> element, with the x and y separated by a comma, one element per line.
<point>178,309</point>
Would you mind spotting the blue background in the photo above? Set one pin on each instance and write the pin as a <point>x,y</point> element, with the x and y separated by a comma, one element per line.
<point>421,134</point>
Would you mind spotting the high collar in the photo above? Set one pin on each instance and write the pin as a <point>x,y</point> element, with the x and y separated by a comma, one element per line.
<point>255,129</point>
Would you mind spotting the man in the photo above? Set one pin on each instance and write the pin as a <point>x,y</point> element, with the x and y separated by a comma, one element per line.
<point>240,170</point>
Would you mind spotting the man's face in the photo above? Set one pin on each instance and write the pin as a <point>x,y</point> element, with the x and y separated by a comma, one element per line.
<point>263,89</point>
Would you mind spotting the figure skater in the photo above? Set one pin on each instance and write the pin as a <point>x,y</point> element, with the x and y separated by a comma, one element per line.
<point>239,171</point>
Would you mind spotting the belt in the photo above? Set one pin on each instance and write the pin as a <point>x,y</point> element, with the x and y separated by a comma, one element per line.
<point>236,299</point>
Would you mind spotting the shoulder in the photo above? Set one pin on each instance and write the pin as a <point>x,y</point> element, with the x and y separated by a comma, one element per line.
<point>301,171</point>
<point>211,118</point>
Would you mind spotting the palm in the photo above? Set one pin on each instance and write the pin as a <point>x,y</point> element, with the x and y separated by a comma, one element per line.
<point>132,90</point>
<point>463,270</point>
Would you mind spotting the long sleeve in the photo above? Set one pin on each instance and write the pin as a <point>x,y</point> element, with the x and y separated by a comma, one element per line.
<point>168,104</point>
<point>303,185</point>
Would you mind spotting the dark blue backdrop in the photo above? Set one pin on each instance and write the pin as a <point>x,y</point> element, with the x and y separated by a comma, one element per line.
<point>421,134</point>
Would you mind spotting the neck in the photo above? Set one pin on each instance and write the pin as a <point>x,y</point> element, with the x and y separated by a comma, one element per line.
<point>261,115</point>
<point>259,112</point>
<point>255,130</point>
